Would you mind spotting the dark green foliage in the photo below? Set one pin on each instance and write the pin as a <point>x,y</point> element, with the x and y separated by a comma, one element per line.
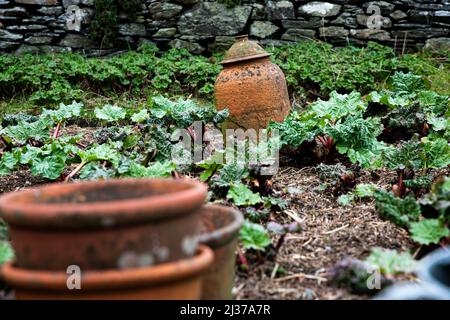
<point>63,77</point>
<point>400,211</point>
<point>230,3</point>
<point>328,68</point>
<point>104,24</point>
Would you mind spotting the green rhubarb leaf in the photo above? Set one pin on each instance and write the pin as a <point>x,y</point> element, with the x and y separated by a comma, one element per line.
<point>241,195</point>
<point>64,112</point>
<point>155,170</point>
<point>140,116</point>
<point>339,106</point>
<point>400,211</point>
<point>8,161</point>
<point>390,262</point>
<point>254,236</point>
<point>48,167</point>
<point>110,113</point>
<point>428,231</point>
<point>100,152</point>
<point>6,252</point>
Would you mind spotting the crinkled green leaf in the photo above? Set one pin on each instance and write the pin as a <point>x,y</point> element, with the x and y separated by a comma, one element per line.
<point>155,170</point>
<point>400,211</point>
<point>254,236</point>
<point>390,262</point>
<point>49,167</point>
<point>339,106</point>
<point>241,195</point>
<point>428,231</point>
<point>140,116</point>
<point>110,113</point>
<point>6,252</point>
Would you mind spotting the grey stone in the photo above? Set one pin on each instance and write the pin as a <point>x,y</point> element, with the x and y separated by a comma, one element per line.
<point>54,49</point>
<point>385,7</point>
<point>51,10</point>
<point>354,10</point>
<point>164,10</point>
<point>438,44</point>
<point>87,2</point>
<point>300,23</point>
<point>280,10</point>
<point>258,12</point>
<point>195,38</point>
<point>424,33</point>
<point>67,3</point>
<point>39,2</point>
<point>39,40</point>
<point>272,43</point>
<point>16,12</point>
<point>371,34</point>
<point>320,9</point>
<point>39,20</point>
<point>221,43</point>
<point>131,29</point>
<point>4,3</point>
<point>385,22</point>
<point>442,16</point>
<point>213,19</point>
<point>7,45</point>
<point>298,34</point>
<point>165,33</point>
<point>9,19</point>
<point>29,27</point>
<point>76,41</point>
<point>158,24</point>
<point>25,48</point>
<point>145,42</point>
<point>84,16</point>
<point>6,35</point>
<point>192,47</point>
<point>398,15</point>
<point>333,32</point>
<point>262,29</point>
<point>419,16</point>
<point>346,19</point>
<point>187,1</point>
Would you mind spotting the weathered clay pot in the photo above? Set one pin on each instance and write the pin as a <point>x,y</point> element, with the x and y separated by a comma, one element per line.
<point>104,224</point>
<point>169,281</point>
<point>220,232</point>
<point>251,87</point>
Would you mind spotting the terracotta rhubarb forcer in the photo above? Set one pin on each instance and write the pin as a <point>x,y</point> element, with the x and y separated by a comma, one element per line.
<point>220,230</point>
<point>251,87</point>
<point>169,281</point>
<point>104,224</point>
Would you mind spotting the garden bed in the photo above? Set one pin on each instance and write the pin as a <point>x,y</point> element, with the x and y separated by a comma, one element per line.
<point>363,180</point>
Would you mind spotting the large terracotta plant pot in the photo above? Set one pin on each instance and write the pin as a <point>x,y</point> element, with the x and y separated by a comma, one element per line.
<point>220,232</point>
<point>104,224</point>
<point>251,87</point>
<point>174,280</point>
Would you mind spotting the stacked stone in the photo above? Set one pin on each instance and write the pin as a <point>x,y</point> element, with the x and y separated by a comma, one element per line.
<point>201,26</point>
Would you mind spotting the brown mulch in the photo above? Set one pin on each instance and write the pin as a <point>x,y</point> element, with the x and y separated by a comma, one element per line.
<point>330,233</point>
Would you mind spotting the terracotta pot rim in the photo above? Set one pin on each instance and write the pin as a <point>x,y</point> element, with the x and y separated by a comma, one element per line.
<point>225,234</point>
<point>190,196</point>
<point>96,280</point>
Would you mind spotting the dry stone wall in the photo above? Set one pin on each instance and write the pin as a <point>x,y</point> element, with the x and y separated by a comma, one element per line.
<point>205,26</point>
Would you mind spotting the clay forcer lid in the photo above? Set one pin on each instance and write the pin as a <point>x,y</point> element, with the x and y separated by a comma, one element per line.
<point>244,49</point>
